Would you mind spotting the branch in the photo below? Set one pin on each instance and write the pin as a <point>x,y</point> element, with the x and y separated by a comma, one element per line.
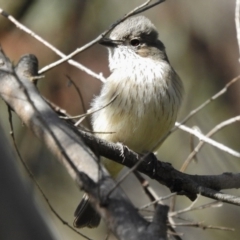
<point>237,23</point>
<point>163,172</point>
<point>21,95</point>
<point>206,139</point>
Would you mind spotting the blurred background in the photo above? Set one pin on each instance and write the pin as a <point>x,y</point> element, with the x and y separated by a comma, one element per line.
<point>200,40</point>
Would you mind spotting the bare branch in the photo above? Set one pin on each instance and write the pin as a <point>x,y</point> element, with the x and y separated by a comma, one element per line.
<point>219,196</point>
<point>206,139</point>
<point>158,200</point>
<point>209,134</point>
<point>203,226</point>
<point>50,46</point>
<point>237,23</point>
<point>78,92</point>
<point>211,99</point>
<point>91,111</point>
<point>142,8</point>
<point>192,208</point>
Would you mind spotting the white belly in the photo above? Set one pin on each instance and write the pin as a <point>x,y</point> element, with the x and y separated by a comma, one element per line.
<point>144,110</point>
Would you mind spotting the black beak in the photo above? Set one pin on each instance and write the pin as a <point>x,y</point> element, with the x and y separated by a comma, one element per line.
<point>108,42</point>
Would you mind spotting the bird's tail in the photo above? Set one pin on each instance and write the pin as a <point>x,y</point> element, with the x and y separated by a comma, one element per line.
<point>85,214</point>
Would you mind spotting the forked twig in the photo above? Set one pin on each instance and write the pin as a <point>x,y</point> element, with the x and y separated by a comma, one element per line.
<point>206,139</point>
<point>192,208</point>
<point>210,134</point>
<point>157,200</point>
<point>50,46</point>
<point>196,110</point>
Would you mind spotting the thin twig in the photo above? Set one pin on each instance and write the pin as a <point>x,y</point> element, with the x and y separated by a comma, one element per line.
<point>209,134</point>
<point>192,145</point>
<point>237,23</point>
<point>173,204</point>
<point>81,99</point>
<point>157,200</point>
<point>50,46</point>
<point>192,208</point>
<point>146,187</point>
<point>211,99</point>
<point>131,170</point>
<point>196,110</point>
<point>79,93</point>
<point>91,111</point>
<point>174,234</point>
<point>203,226</point>
<point>208,140</point>
<point>145,7</point>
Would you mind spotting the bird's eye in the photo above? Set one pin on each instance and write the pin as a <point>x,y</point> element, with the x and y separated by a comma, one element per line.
<point>135,42</point>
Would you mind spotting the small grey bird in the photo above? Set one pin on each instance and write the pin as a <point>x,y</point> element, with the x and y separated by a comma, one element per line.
<point>148,96</point>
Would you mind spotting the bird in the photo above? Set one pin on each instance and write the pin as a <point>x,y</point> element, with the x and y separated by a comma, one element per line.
<point>148,94</point>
